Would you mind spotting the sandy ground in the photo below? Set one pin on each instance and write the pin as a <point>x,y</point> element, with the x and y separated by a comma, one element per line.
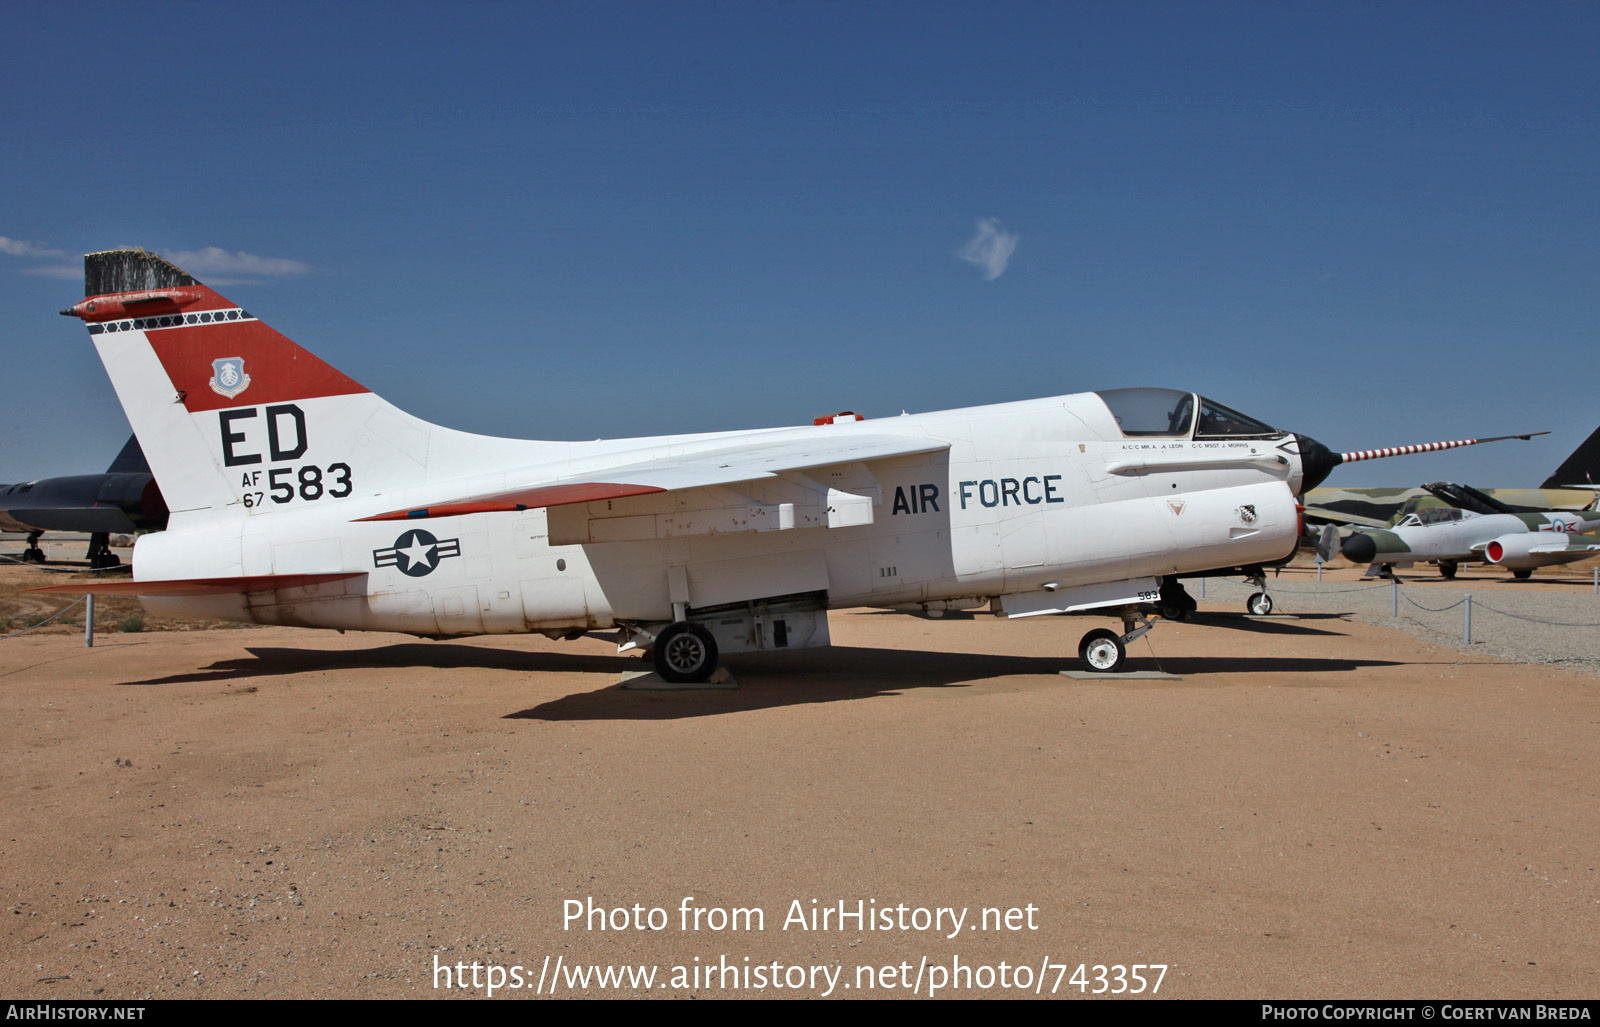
<point>1319,808</point>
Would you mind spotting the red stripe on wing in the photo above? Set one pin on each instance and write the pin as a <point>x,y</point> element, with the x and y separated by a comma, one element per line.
<point>521,499</point>
<point>200,586</point>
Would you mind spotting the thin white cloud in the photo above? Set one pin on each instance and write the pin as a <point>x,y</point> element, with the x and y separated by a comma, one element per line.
<point>67,272</point>
<point>24,248</point>
<point>214,260</point>
<point>214,264</point>
<point>990,249</point>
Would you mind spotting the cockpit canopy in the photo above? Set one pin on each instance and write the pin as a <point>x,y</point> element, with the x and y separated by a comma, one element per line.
<point>1417,517</point>
<point>1170,413</point>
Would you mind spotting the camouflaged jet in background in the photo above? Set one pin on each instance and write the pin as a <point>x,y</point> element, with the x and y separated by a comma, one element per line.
<point>1518,539</point>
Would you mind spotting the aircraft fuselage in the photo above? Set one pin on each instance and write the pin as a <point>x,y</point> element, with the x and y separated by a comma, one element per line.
<point>1030,499</point>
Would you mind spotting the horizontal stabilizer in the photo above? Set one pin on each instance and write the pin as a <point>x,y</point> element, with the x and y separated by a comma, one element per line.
<point>199,586</point>
<point>750,461</point>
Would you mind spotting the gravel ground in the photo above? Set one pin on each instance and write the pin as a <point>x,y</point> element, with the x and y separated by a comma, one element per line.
<point>1522,623</point>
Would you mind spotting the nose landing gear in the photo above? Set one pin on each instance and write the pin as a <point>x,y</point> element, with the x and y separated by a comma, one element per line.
<point>1259,603</point>
<point>1106,652</point>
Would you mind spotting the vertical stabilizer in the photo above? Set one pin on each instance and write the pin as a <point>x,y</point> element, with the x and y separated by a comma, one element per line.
<point>1581,468</point>
<point>228,412</point>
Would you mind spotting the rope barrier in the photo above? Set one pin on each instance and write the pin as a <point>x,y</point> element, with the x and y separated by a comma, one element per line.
<point>1477,604</point>
<point>1322,591</point>
<point>47,620</point>
<point>1431,609</point>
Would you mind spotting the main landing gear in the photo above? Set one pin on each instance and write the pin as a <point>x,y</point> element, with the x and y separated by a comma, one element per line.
<point>33,554</point>
<point>1175,601</point>
<point>685,652</point>
<point>100,555</point>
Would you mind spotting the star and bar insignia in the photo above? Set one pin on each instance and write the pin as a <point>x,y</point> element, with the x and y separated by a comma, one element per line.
<point>416,552</point>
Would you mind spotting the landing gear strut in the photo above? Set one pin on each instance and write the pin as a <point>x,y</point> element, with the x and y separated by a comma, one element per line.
<point>1259,603</point>
<point>100,555</point>
<point>33,554</point>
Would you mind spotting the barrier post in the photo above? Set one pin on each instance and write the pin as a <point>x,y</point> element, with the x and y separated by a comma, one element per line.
<point>1466,631</point>
<point>88,621</point>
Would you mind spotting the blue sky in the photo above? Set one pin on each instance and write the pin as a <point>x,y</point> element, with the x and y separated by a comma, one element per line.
<point>1373,223</point>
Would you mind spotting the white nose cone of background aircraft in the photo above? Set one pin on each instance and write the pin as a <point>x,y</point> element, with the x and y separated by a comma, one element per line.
<point>299,497</point>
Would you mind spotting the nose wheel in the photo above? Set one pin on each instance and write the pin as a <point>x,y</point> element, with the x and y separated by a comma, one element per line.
<point>1106,652</point>
<point>1259,603</point>
<point>1102,651</point>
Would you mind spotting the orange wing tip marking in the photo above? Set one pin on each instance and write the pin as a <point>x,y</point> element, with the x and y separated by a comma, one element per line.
<point>522,499</point>
<point>446,510</point>
<point>200,586</point>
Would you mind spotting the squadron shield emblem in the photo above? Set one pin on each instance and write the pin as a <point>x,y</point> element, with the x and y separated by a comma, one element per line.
<point>228,377</point>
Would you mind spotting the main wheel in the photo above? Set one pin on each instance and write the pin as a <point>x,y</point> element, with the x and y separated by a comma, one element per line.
<point>1259,604</point>
<point>1523,575</point>
<point>685,652</point>
<point>1175,601</point>
<point>1447,568</point>
<point>1102,650</point>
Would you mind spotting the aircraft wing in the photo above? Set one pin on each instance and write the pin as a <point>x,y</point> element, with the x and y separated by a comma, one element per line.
<point>754,459</point>
<point>196,586</point>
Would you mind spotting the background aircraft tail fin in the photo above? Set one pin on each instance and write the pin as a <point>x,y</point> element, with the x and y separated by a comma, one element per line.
<point>1582,466</point>
<point>130,460</point>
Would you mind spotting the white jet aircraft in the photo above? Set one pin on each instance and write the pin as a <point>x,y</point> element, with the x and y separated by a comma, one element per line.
<point>297,496</point>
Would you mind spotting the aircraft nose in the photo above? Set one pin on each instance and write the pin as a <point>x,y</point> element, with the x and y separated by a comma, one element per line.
<point>1316,462</point>
<point>1359,548</point>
